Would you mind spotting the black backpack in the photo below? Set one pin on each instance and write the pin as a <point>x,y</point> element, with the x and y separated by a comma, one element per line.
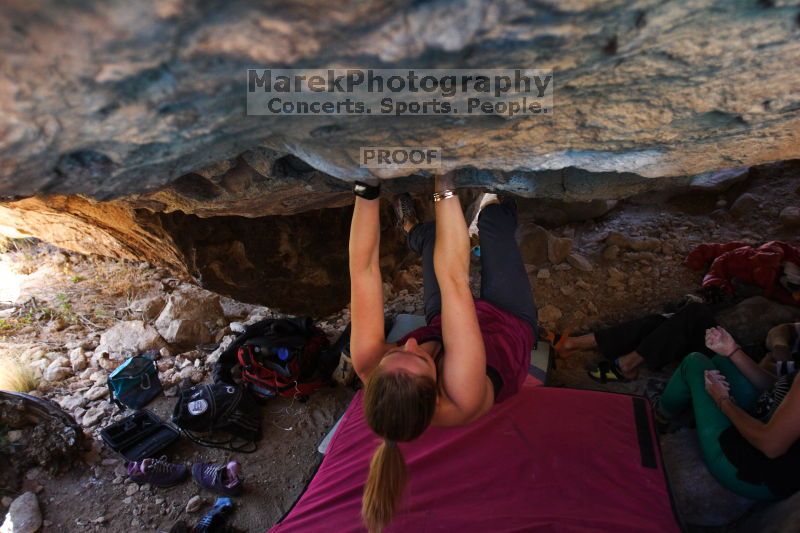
<point>219,408</point>
<point>279,356</point>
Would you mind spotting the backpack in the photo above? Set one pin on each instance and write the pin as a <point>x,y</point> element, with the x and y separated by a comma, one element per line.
<point>218,408</point>
<point>135,382</point>
<point>279,357</point>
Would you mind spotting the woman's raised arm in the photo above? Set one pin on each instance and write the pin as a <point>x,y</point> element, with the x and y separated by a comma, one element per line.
<point>464,375</point>
<point>367,341</point>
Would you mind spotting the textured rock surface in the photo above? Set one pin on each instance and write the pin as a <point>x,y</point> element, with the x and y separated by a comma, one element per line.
<point>131,117</point>
<point>116,99</point>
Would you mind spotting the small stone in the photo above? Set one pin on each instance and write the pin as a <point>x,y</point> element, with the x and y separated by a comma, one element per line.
<point>194,504</point>
<point>790,216</point>
<point>94,415</point>
<point>132,489</point>
<point>15,435</point>
<point>96,393</point>
<point>611,252</point>
<point>6,501</point>
<point>558,248</point>
<point>744,205</point>
<point>24,515</point>
<point>77,359</point>
<point>549,314</point>
<point>543,274</point>
<point>580,262</point>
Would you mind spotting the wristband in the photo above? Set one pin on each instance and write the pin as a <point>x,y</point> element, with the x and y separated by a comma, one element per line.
<point>443,195</point>
<point>733,352</point>
<point>719,403</point>
<point>366,191</point>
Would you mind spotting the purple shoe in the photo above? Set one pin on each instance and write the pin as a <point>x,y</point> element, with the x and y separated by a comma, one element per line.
<point>221,479</point>
<point>157,472</point>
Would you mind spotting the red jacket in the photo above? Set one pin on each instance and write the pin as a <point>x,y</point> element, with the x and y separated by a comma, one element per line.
<point>756,266</point>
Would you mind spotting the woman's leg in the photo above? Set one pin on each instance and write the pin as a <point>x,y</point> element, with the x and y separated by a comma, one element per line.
<point>421,239</point>
<point>687,386</point>
<point>504,280</point>
<point>623,339</point>
<point>682,333</point>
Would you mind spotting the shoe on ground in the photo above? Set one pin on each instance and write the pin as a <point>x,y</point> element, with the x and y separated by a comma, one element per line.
<point>220,479</point>
<point>157,472</point>
<point>214,520</point>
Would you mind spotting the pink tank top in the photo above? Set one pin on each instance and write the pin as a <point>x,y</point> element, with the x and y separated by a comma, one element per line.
<point>508,341</point>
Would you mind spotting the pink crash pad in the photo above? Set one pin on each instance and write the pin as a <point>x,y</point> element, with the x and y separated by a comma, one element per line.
<point>547,459</point>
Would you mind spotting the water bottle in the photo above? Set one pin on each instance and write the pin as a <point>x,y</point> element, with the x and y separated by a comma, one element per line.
<point>283,353</point>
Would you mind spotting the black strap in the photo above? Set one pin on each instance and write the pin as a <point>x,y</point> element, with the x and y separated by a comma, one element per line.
<point>647,450</point>
<point>227,445</point>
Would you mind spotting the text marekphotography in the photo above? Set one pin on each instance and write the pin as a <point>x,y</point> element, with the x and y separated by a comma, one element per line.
<point>397,92</point>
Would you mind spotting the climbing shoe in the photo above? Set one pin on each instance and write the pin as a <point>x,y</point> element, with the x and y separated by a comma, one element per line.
<point>214,520</point>
<point>473,212</point>
<point>607,372</point>
<point>220,479</point>
<point>404,211</point>
<point>157,472</point>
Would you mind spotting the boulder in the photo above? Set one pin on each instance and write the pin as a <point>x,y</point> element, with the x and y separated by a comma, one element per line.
<point>550,314</point>
<point>57,370</point>
<point>790,217</point>
<point>77,359</point>
<point>746,204</point>
<point>93,416</point>
<point>126,338</point>
<point>579,262</point>
<point>558,248</point>
<point>190,316</point>
<point>719,181</point>
<point>24,515</point>
<point>149,308</point>
<point>532,241</point>
<point>699,497</point>
<point>751,319</point>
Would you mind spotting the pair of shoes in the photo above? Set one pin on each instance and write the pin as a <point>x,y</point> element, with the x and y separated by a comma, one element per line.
<point>220,479</point>
<point>214,520</point>
<point>607,372</point>
<point>156,472</point>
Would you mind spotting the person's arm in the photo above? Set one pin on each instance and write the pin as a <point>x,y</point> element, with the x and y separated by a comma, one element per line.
<point>464,378</point>
<point>721,342</point>
<point>367,341</point>
<point>775,437</point>
<point>779,339</point>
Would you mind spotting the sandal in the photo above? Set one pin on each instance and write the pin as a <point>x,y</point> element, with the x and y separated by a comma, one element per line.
<point>607,372</point>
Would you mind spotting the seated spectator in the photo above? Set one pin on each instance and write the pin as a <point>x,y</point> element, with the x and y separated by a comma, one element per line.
<point>655,340</point>
<point>748,420</point>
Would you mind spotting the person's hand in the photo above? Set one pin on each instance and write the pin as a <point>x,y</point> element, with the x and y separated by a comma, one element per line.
<point>717,387</point>
<point>720,341</point>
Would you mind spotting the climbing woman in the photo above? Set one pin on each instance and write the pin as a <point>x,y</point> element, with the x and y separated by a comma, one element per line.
<point>472,354</point>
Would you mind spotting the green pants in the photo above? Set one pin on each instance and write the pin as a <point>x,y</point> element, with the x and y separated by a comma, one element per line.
<point>687,387</point>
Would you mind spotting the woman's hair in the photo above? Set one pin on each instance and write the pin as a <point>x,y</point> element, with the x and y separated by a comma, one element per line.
<point>398,406</point>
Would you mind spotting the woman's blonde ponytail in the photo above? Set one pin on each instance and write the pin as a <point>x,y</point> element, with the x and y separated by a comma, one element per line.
<point>385,483</point>
<point>398,407</point>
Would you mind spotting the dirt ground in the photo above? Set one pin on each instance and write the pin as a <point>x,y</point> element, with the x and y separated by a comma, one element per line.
<point>70,298</point>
